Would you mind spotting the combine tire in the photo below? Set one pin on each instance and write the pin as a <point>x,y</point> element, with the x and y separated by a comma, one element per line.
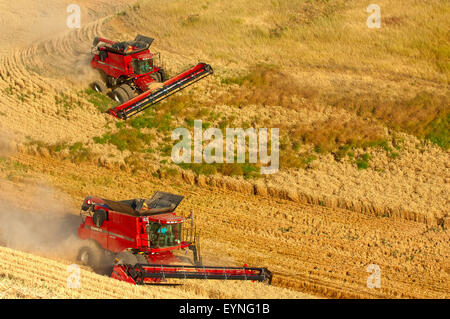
<point>130,92</point>
<point>99,86</point>
<point>120,95</point>
<point>95,257</point>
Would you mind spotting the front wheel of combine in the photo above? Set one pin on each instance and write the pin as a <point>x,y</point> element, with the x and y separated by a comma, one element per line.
<point>96,258</point>
<point>120,95</point>
<point>99,86</point>
<point>129,90</point>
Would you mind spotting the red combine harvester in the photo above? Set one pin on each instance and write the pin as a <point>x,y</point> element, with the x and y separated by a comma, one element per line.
<point>138,239</point>
<point>129,70</point>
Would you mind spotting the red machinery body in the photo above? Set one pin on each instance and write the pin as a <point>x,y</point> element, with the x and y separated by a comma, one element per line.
<point>129,69</point>
<point>127,62</point>
<point>149,231</point>
<point>121,231</point>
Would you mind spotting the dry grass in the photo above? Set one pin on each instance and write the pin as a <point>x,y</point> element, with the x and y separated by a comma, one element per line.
<point>298,33</point>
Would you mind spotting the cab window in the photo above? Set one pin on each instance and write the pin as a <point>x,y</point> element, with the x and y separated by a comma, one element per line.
<point>141,66</point>
<point>163,235</point>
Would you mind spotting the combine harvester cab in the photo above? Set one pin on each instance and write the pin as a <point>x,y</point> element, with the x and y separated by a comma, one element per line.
<point>130,70</point>
<point>138,238</point>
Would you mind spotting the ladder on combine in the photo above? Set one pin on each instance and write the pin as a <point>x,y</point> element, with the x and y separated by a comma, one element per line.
<point>153,96</point>
<point>140,274</point>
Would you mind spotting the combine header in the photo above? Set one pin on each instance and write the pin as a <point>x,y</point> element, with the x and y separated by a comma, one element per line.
<point>154,96</point>
<point>135,240</point>
<point>129,70</point>
<point>141,274</point>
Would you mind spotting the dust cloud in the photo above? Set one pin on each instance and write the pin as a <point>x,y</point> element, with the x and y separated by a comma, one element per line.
<point>38,221</point>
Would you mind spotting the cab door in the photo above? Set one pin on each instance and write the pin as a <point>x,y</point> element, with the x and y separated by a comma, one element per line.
<point>122,232</point>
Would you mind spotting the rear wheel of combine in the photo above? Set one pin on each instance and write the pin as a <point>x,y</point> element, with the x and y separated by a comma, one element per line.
<point>99,86</point>
<point>120,95</point>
